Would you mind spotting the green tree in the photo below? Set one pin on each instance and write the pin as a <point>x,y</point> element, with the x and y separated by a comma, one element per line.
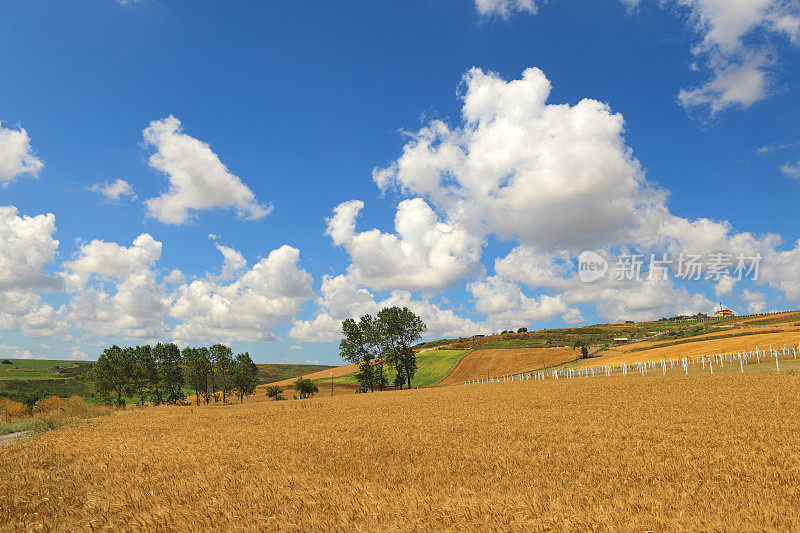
<point>305,387</point>
<point>274,392</point>
<point>222,357</point>
<point>145,374</point>
<point>358,345</point>
<point>244,375</point>
<point>112,373</point>
<point>197,368</point>
<point>399,328</point>
<point>584,352</point>
<point>168,357</point>
<point>208,386</point>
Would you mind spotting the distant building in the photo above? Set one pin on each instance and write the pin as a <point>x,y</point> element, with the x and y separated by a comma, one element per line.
<point>723,313</point>
<point>686,317</point>
<point>620,340</point>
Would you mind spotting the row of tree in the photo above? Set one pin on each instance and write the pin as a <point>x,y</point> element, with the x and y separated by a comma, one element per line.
<point>159,374</point>
<point>387,340</point>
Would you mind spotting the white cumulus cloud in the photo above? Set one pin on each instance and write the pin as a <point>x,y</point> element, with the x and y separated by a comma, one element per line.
<point>551,175</point>
<point>504,8</point>
<point>425,253</point>
<point>197,178</point>
<point>114,190</point>
<point>16,156</point>
<point>246,309</point>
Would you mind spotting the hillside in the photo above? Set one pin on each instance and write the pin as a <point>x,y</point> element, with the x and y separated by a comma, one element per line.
<point>497,362</point>
<point>503,354</point>
<point>27,380</point>
<point>601,336</point>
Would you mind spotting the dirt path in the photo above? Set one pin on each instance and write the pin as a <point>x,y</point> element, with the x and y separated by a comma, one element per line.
<point>11,437</point>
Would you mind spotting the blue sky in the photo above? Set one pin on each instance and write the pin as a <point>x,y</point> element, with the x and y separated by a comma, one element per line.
<point>267,116</point>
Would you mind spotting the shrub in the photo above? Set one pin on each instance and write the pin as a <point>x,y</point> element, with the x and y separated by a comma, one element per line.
<point>11,410</point>
<point>274,392</point>
<point>47,405</point>
<point>305,387</point>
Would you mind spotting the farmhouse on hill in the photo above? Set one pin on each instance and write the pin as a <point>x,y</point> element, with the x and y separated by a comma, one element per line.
<point>723,313</point>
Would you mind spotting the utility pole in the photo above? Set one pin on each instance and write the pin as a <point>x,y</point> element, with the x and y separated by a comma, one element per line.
<point>331,382</point>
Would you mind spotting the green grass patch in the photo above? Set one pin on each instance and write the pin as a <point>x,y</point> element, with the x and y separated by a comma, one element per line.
<point>432,367</point>
<point>47,369</point>
<point>270,373</point>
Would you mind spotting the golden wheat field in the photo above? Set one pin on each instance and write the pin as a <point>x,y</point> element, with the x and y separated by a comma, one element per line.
<point>693,452</point>
<point>700,347</point>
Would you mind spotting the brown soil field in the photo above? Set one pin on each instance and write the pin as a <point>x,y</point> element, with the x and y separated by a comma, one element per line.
<point>499,362</point>
<point>697,452</point>
<point>700,347</point>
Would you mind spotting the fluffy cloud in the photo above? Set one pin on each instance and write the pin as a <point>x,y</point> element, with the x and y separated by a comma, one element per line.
<point>504,8</point>
<point>424,253</point>
<point>26,245</point>
<point>756,301</point>
<point>249,307</point>
<point>114,190</point>
<point>507,307</point>
<point>341,298</point>
<point>114,288</point>
<point>556,179</point>
<point>16,155</point>
<point>551,175</point>
<point>233,262</point>
<point>791,170</point>
<point>735,48</point>
<point>781,270</point>
<point>736,43</point>
<point>198,179</point>
<point>111,260</point>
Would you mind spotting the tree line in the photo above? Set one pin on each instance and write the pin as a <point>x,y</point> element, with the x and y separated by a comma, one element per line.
<point>380,343</point>
<point>159,374</point>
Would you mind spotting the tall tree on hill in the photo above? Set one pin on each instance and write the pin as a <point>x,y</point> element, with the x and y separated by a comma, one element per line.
<point>196,370</point>
<point>222,357</point>
<point>111,373</point>
<point>244,375</point>
<point>145,373</point>
<point>208,386</point>
<point>168,357</point>
<point>358,345</point>
<point>399,328</point>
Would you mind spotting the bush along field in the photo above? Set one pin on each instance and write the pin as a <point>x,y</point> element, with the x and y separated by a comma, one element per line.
<point>44,414</point>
